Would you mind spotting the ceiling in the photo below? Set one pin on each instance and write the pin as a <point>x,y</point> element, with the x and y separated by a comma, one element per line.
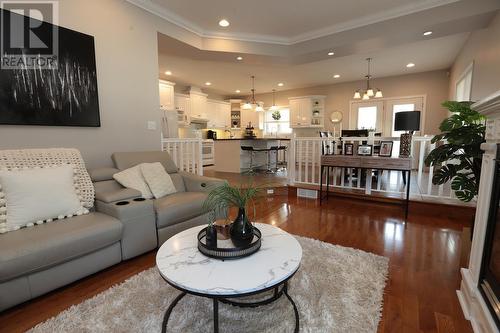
<point>285,20</point>
<point>228,76</point>
<point>289,40</point>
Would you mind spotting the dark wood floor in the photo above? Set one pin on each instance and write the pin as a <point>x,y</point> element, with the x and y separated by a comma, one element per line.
<point>425,256</point>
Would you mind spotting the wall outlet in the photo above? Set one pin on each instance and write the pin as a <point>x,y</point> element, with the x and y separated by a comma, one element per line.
<point>152,125</point>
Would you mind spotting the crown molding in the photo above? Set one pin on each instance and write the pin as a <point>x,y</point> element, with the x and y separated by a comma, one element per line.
<point>192,27</point>
<point>370,19</point>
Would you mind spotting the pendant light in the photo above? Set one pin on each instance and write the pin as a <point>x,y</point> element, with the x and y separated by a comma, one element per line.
<point>274,107</point>
<point>252,104</point>
<point>369,92</point>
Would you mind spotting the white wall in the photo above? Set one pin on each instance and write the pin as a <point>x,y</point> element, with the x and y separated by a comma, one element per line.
<point>482,48</point>
<point>127,74</point>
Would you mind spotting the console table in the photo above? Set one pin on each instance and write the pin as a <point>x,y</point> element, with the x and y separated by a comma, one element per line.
<point>365,163</point>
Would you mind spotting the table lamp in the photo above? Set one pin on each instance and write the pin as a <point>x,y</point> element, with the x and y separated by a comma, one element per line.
<point>408,121</point>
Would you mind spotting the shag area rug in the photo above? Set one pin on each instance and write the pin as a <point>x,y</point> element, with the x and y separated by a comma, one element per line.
<point>336,289</point>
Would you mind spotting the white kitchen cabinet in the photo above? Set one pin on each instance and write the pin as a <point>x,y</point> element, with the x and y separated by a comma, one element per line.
<point>167,95</point>
<point>198,105</point>
<point>307,111</point>
<point>219,114</point>
<point>225,115</point>
<point>212,114</point>
<point>182,106</point>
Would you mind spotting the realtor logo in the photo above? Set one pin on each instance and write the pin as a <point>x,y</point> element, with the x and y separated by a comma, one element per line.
<point>29,34</point>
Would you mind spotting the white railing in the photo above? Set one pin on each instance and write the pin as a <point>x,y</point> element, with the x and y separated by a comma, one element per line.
<point>304,167</point>
<point>186,154</point>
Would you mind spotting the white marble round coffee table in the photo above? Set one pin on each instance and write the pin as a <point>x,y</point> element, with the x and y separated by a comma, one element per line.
<point>182,265</point>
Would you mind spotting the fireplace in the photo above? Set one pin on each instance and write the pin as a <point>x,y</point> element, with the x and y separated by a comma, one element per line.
<point>479,293</point>
<point>489,280</point>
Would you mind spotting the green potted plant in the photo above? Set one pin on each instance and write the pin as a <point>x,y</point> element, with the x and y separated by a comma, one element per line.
<point>459,158</point>
<point>225,196</point>
<point>276,115</point>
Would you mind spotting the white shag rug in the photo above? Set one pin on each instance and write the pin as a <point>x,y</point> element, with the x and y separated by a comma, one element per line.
<point>336,289</point>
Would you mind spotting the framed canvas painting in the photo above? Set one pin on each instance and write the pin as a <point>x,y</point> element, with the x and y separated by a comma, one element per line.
<point>63,94</point>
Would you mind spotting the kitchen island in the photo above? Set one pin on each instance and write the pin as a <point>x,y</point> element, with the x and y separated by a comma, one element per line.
<point>229,157</point>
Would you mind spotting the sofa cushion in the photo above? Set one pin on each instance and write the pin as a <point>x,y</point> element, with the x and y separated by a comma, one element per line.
<point>127,160</point>
<point>158,180</point>
<point>178,181</point>
<point>178,207</point>
<point>40,247</point>
<point>133,178</point>
<point>37,195</point>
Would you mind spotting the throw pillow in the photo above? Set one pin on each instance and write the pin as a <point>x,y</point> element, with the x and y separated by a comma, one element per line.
<point>132,178</point>
<point>38,195</point>
<point>158,179</point>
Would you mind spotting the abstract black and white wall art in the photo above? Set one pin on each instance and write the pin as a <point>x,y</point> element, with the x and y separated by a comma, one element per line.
<point>64,94</point>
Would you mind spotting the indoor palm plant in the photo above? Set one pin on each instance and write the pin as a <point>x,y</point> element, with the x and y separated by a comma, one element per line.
<point>223,197</point>
<point>459,158</point>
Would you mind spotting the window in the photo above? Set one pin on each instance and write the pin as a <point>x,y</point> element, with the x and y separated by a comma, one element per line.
<point>464,85</point>
<point>280,126</point>
<point>367,117</point>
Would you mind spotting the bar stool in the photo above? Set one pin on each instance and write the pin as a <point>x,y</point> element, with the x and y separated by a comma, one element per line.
<point>268,162</point>
<point>251,152</point>
<point>271,150</point>
<point>283,162</point>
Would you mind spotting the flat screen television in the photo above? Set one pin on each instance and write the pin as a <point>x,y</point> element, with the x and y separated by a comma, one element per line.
<point>63,95</point>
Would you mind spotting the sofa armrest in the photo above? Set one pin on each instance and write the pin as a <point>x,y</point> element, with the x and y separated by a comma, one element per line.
<point>195,183</point>
<point>139,224</point>
<point>117,195</point>
<point>101,174</point>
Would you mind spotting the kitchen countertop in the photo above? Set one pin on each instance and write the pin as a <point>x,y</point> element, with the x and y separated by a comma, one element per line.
<point>282,139</point>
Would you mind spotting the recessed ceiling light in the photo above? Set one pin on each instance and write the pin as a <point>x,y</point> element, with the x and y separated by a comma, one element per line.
<point>336,76</point>
<point>224,23</point>
<point>237,91</point>
<point>208,83</point>
<point>281,84</point>
<point>427,33</point>
<point>410,65</point>
<point>168,73</point>
<point>239,58</point>
<point>331,53</point>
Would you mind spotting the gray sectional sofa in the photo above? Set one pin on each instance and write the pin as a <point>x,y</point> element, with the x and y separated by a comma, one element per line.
<point>36,260</point>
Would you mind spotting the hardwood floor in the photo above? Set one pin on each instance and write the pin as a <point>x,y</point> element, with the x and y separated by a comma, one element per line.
<point>425,256</point>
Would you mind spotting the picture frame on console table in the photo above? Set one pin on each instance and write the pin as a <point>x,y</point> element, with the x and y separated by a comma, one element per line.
<point>348,149</point>
<point>365,150</point>
<point>386,148</point>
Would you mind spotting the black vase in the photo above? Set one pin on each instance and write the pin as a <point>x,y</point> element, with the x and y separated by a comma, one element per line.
<point>211,237</point>
<point>241,230</point>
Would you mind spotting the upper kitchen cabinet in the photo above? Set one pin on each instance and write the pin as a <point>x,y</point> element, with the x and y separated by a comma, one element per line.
<point>167,95</point>
<point>307,111</point>
<point>182,106</point>
<point>219,114</point>
<point>198,105</point>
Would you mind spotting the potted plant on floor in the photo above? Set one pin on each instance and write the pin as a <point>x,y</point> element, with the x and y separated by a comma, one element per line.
<point>459,158</point>
<point>223,197</point>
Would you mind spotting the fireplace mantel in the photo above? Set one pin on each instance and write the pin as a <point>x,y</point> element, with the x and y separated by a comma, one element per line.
<point>471,299</point>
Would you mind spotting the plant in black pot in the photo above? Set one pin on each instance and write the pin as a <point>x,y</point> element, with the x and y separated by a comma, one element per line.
<point>225,196</point>
<point>458,159</point>
<point>211,231</point>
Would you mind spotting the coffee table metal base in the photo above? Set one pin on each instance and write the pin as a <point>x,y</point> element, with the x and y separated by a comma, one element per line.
<point>279,290</point>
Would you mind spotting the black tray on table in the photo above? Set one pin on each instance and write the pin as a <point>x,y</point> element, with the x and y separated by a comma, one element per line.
<point>229,252</point>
